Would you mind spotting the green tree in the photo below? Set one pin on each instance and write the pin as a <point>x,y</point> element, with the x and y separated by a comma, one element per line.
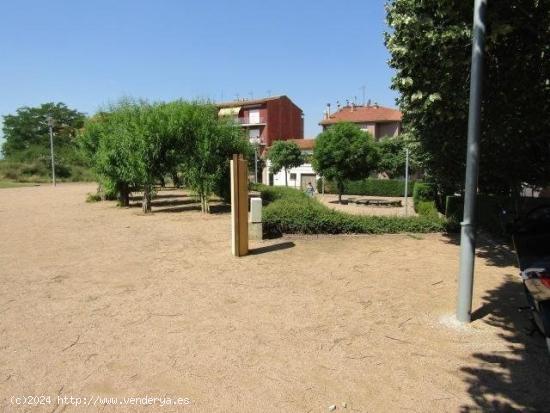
<point>284,155</point>
<point>212,143</point>
<point>134,144</point>
<point>345,152</point>
<point>430,47</point>
<point>27,137</point>
<point>393,156</point>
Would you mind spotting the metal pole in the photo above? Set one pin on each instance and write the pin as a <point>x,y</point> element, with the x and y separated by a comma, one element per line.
<point>255,164</point>
<point>467,234</point>
<point>406,181</point>
<point>50,125</point>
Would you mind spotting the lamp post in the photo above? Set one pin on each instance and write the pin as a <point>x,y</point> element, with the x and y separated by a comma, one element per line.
<point>49,119</point>
<point>467,234</point>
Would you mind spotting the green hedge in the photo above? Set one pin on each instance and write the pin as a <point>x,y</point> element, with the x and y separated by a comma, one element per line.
<point>489,211</point>
<point>370,187</point>
<point>290,211</point>
<point>423,192</point>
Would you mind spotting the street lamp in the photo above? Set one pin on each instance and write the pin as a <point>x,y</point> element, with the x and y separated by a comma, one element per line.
<point>49,119</point>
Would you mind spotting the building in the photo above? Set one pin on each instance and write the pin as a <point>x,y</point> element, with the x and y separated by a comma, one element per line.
<point>297,177</point>
<point>266,120</point>
<point>378,120</point>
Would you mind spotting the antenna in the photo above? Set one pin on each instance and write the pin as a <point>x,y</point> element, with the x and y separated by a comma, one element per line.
<point>251,94</point>
<point>268,91</point>
<point>363,88</point>
<point>237,96</point>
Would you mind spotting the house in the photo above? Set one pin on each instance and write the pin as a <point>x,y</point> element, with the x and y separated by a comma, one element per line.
<point>297,177</point>
<point>378,120</point>
<point>267,119</point>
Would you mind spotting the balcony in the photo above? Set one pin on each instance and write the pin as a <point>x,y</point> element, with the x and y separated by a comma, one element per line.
<point>252,120</point>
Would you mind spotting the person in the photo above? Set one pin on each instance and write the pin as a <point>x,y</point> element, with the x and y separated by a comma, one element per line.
<point>310,190</point>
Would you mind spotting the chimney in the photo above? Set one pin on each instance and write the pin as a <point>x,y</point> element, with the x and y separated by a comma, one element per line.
<point>352,106</point>
<point>376,105</point>
<point>338,104</point>
<point>327,111</point>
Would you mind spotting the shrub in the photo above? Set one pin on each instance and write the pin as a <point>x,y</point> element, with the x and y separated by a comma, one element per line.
<point>291,211</point>
<point>493,213</point>
<point>427,209</point>
<point>423,192</point>
<point>369,187</point>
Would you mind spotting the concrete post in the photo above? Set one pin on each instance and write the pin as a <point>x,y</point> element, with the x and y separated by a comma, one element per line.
<point>255,227</point>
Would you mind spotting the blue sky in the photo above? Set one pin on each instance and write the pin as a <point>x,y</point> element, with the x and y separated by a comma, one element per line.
<point>89,53</point>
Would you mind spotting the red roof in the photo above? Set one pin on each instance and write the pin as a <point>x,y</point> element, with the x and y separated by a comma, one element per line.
<point>304,144</point>
<point>364,114</point>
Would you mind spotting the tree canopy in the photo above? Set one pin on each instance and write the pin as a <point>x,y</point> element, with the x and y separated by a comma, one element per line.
<point>134,144</point>
<point>284,155</point>
<point>345,152</point>
<point>430,47</point>
<point>27,137</point>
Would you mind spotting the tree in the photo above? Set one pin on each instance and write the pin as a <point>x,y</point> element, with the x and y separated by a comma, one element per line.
<point>134,144</point>
<point>212,143</point>
<point>430,47</point>
<point>345,152</point>
<point>393,156</point>
<point>284,155</point>
<point>27,136</point>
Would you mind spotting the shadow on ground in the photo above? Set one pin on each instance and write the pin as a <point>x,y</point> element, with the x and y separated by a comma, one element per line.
<point>271,248</point>
<point>173,203</point>
<point>518,378</point>
<point>496,252</point>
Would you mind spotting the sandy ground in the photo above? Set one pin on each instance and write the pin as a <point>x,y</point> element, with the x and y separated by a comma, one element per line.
<point>331,201</point>
<point>97,301</point>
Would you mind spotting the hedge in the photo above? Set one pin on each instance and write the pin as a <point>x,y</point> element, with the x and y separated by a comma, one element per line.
<point>423,192</point>
<point>290,211</point>
<point>493,213</point>
<point>370,187</point>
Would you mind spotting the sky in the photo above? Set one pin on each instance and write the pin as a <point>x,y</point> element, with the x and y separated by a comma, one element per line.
<point>90,53</point>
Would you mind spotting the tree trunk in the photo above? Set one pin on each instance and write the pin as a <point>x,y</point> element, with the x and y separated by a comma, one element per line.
<point>146,204</point>
<point>286,178</point>
<point>123,194</point>
<point>340,185</point>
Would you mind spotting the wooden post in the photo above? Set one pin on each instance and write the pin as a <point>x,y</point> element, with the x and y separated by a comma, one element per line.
<point>239,206</point>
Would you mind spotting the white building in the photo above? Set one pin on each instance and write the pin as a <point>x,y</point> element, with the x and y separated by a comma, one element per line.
<point>297,177</point>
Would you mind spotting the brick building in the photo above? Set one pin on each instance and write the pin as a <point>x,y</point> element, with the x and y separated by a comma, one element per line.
<point>378,120</point>
<point>268,119</point>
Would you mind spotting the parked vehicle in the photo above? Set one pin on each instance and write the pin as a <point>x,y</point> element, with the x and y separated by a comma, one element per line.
<point>531,238</point>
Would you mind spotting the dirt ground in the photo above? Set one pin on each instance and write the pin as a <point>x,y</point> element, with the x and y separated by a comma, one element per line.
<point>331,201</point>
<point>98,301</point>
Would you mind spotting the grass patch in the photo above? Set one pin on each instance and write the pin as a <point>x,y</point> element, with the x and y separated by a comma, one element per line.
<point>13,184</point>
<point>290,211</point>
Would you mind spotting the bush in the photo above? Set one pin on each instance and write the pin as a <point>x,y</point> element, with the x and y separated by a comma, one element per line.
<point>493,213</point>
<point>291,211</point>
<point>369,187</point>
<point>427,209</point>
<point>423,192</point>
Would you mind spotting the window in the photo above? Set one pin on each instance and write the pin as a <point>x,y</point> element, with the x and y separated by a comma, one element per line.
<point>254,116</point>
<point>292,177</point>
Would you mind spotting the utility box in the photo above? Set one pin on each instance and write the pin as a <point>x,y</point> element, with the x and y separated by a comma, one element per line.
<point>255,228</point>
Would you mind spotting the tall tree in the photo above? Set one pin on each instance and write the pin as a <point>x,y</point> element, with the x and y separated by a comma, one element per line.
<point>212,142</point>
<point>27,137</point>
<point>284,155</point>
<point>393,156</point>
<point>345,152</point>
<point>430,47</point>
